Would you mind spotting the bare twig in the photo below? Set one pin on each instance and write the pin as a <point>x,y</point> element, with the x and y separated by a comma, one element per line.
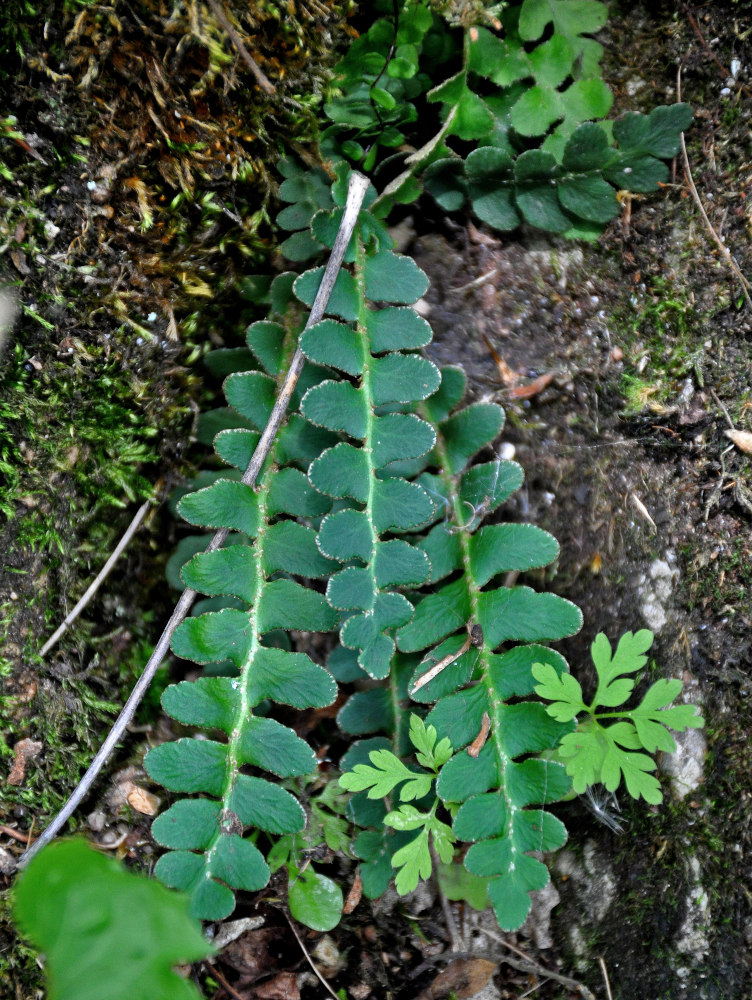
<point>100,577</point>
<point>528,965</point>
<point>746,287</point>
<point>604,973</point>
<point>725,411</point>
<point>263,80</point>
<point>16,834</point>
<point>724,69</point>
<point>224,984</point>
<point>356,193</point>
<point>310,961</point>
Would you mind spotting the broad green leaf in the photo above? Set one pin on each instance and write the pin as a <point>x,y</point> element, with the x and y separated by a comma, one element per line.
<point>337,406</point>
<point>342,471</point>
<point>252,394</point>
<point>266,341</point>
<point>259,803</point>
<point>225,504</point>
<point>220,635</point>
<point>499,548</point>
<point>551,62</point>
<point>367,712</point>
<point>464,776</point>
<point>520,613</point>
<point>569,17</point>
<point>587,149</point>
<point>344,298</point>
<point>188,765</point>
<point>585,100</point>
<point>396,328</point>
<point>398,436</point>
<point>537,109</point>
<point>290,547</point>
<point>290,678</point>
<point>290,492</point>
<point>189,824</point>
<point>223,571</point>
<point>314,899</point>
<point>403,378</point>
<point>438,615</point>
<point>334,344</point>
<point>396,563</point>
<point>482,817</point>
<point>657,134</point>
<point>105,931</point>
<point>346,534</point>
<point>588,197</point>
<point>390,277</point>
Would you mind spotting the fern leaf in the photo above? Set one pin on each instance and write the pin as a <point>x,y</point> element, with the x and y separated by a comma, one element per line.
<point>210,856</point>
<point>494,788</point>
<point>373,351</point>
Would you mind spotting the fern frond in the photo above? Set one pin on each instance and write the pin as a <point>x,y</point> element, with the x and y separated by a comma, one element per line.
<point>365,405</point>
<point>209,855</point>
<point>470,620</point>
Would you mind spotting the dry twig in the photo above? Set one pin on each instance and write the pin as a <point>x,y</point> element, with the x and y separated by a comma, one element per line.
<point>528,965</point>
<point>356,193</point>
<point>746,287</point>
<point>99,579</point>
<point>263,80</point>
<point>310,961</point>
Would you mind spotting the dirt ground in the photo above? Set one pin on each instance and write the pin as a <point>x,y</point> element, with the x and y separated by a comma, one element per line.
<point>638,355</point>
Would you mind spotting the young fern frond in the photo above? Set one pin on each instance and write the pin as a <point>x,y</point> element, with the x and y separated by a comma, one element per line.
<point>493,787</point>
<point>374,501</point>
<point>209,856</point>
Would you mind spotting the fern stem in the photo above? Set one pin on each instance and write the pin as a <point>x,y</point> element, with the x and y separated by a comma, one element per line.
<point>355,195</point>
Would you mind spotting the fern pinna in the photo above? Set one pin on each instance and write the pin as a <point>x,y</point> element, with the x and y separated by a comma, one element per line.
<point>271,542</point>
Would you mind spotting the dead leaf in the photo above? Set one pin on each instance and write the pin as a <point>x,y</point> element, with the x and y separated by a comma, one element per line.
<point>23,752</point>
<point>532,388</point>
<point>284,986</point>
<point>477,745</point>
<point>19,260</point>
<point>142,801</point>
<point>742,440</point>
<point>462,978</point>
<point>354,895</point>
<point>507,377</point>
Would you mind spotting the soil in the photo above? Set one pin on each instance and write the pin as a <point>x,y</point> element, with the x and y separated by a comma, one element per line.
<point>621,365</point>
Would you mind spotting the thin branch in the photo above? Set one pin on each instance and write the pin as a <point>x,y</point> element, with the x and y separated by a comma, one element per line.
<point>263,80</point>
<point>98,580</point>
<point>746,287</point>
<point>310,961</point>
<point>726,72</point>
<point>528,965</point>
<point>604,973</point>
<point>355,194</point>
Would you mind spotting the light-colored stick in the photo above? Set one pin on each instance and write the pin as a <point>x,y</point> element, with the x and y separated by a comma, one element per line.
<point>355,195</point>
<point>746,287</point>
<point>100,577</point>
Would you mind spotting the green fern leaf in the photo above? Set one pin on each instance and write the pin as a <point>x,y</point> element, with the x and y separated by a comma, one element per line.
<point>357,470</point>
<point>209,856</point>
